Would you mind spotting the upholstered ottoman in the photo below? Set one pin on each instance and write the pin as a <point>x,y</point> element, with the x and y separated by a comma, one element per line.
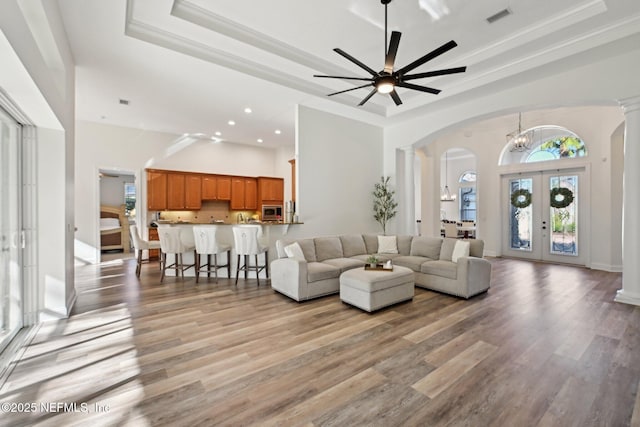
<point>372,290</point>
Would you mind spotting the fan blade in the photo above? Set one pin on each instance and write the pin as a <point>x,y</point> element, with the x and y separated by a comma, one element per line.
<point>420,88</point>
<point>348,90</point>
<point>428,57</point>
<point>364,79</point>
<point>366,98</point>
<point>393,50</point>
<point>434,73</point>
<point>355,61</point>
<point>395,97</point>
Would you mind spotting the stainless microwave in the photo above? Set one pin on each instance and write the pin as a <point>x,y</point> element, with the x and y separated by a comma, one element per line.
<point>272,212</point>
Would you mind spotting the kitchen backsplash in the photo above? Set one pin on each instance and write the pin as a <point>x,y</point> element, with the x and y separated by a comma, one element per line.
<point>210,211</point>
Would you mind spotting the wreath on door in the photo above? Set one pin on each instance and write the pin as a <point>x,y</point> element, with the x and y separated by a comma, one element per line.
<point>521,198</point>
<point>561,197</point>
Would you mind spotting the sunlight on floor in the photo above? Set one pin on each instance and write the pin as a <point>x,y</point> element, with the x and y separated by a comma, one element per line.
<point>85,370</point>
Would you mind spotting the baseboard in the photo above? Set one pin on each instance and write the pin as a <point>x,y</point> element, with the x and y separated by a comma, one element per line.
<point>606,267</point>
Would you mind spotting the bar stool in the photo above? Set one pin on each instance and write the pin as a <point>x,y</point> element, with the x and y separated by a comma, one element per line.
<point>141,245</point>
<point>171,243</point>
<point>246,242</point>
<point>206,244</point>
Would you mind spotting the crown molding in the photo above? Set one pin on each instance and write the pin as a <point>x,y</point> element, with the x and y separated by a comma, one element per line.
<point>186,10</point>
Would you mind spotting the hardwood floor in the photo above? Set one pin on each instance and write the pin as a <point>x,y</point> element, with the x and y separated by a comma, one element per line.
<point>546,346</point>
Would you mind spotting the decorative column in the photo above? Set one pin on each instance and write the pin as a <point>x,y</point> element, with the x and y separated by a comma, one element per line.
<point>630,292</point>
<point>409,203</point>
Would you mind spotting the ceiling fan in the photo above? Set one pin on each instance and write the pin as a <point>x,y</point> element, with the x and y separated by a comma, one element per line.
<point>387,80</point>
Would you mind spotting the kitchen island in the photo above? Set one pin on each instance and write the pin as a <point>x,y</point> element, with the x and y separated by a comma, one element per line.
<point>271,231</point>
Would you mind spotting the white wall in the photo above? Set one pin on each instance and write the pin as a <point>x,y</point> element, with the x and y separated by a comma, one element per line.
<point>338,161</point>
<point>283,168</point>
<point>102,146</point>
<point>52,227</point>
<point>112,189</point>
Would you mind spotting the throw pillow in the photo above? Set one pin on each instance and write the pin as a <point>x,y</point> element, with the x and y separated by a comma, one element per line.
<point>387,245</point>
<point>294,251</point>
<point>461,249</point>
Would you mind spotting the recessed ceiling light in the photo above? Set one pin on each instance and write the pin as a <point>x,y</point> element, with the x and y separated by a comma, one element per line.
<point>231,123</point>
<point>218,133</point>
<point>278,131</point>
<point>247,110</point>
<point>260,140</point>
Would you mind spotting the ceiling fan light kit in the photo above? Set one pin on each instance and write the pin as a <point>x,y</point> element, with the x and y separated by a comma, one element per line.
<point>386,84</point>
<point>387,80</point>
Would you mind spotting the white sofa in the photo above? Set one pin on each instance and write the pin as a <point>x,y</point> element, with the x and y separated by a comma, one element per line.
<point>430,258</point>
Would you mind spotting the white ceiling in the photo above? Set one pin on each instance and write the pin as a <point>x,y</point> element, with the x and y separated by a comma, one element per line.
<point>189,66</point>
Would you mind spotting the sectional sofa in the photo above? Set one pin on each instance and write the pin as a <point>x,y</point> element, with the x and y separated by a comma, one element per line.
<point>310,268</point>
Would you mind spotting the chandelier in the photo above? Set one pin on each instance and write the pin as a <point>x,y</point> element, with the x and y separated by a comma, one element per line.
<point>520,141</point>
<point>446,195</point>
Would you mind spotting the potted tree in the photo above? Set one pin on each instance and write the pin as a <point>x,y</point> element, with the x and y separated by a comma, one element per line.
<point>384,205</point>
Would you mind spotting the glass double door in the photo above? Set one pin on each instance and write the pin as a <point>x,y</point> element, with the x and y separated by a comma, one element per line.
<point>11,241</point>
<point>542,216</point>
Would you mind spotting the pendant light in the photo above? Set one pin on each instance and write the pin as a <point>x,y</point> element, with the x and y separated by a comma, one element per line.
<point>446,195</point>
<point>520,141</point>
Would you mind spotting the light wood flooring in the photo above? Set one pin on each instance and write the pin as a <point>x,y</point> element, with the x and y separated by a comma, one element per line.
<point>546,346</point>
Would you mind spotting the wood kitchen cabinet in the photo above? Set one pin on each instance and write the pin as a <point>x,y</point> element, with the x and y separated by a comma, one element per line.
<point>251,193</point>
<point>237,193</point>
<point>156,190</point>
<point>184,191</point>
<point>192,192</point>
<point>224,188</point>
<point>175,191</point>
<point>216,187</point>
<point>153,235</point>
<point>209,187</point>
<point>270,191</point>
<point>244,193</point>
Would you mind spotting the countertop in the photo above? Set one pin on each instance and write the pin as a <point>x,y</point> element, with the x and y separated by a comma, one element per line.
<point>229,223</point>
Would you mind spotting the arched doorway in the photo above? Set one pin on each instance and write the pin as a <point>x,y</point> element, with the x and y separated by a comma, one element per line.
<point>458,197</point>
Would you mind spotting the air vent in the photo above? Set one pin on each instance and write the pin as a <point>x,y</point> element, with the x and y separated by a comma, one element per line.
<point>124,102</point>
<point>503,13</point>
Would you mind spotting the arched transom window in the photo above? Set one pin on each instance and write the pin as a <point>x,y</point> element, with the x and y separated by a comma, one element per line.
<point>546,143</point>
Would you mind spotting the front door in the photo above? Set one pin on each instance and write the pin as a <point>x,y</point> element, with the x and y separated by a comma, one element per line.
<point>542,216</point>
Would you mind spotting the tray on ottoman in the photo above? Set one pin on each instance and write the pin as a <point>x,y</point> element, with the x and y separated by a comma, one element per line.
<point>372,290</point>
<point>378,267</point>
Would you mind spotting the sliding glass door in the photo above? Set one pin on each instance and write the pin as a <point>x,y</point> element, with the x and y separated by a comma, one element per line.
<point>11,239</point>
